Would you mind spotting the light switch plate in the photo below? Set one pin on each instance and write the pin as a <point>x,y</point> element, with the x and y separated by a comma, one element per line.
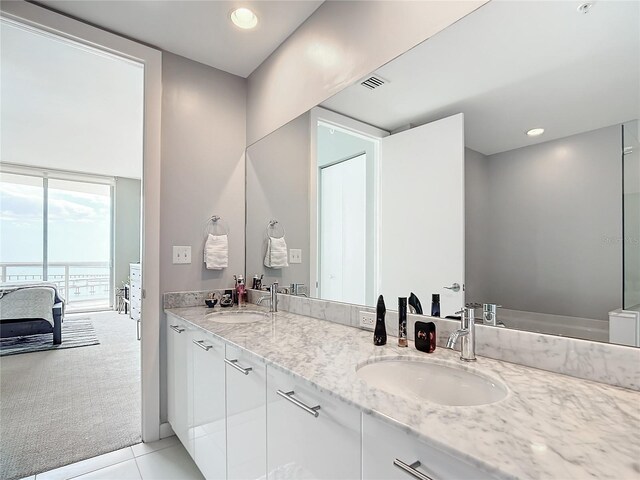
<point>181,254</point>
<point>295,255</point>
<point>367,320</point>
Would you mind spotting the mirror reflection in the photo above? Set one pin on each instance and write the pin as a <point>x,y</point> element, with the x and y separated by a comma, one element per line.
<point>498,162</point>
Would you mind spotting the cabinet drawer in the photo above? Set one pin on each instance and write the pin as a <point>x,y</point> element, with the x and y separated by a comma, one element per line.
<point>135,313</point>
<point>246,415</point>
<point>301,445</point>
<point>382,444</point>
<point>135,273</point>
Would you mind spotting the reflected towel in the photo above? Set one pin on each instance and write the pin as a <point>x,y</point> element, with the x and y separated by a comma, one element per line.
<point>216,252</point>
<point>276,256</point>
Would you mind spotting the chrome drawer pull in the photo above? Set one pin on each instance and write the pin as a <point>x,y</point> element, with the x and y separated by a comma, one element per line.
<point>411,469</point>
<point>289,396</point>
<point>234,364</point>
<point>176,328</point>
<point>202,345</point>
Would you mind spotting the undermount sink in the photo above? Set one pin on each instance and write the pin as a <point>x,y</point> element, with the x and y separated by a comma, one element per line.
<point>237,316</point>
<point>433,382</point>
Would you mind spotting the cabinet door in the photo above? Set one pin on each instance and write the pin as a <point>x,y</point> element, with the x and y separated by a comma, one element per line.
<point>246,415</point>
<point>208,406</point>
<point>385,448</point>
<point>179,380</point>
<point>303,446</point>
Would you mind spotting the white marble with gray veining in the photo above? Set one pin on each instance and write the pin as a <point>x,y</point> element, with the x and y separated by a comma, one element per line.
<point>549,426</point>
<point>601,362</point>
<point>188,299</point>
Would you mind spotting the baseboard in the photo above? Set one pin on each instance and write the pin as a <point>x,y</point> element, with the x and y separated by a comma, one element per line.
<point>166,430</point>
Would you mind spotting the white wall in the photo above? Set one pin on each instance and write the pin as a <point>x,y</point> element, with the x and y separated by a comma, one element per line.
<point>203,142</point>
<point>551,226</point>
<point>337,45</point>
<point>126,231</point>
<point>278,188</point>
<point>632,215</point>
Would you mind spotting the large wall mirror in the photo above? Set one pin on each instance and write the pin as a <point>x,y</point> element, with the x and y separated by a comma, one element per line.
<point>500,156</point>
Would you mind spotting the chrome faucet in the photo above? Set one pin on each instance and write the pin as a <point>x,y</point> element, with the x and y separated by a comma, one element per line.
<point>490,314</point>
<point>467,332</point>
<point>272,297</point>
<point>297,289</point>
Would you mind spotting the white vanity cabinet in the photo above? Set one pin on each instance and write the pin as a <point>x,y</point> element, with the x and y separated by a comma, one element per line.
<point>302,445</point>
<point>246,415</point>
<point>208,428</point>
<point>179,380</point>
<point>386,449</point>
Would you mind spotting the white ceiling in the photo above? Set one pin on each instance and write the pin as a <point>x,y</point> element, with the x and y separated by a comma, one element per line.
<point>510,67</point>
<point>68,107</point>
<point>199,30</point>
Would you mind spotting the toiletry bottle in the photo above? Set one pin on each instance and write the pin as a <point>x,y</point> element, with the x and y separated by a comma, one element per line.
<point>380,332</point>
<point>241,291</point>
<point>402,322</point>
<point>435,305</point>
<point>414,304</point>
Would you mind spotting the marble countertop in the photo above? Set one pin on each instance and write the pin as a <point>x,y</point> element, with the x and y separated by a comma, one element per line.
<point>548,426</point>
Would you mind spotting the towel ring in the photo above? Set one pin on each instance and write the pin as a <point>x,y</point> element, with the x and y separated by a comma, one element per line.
<point>273,225</point>
<point>216,222</point>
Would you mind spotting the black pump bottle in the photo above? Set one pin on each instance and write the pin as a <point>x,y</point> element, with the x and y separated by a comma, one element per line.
<point>380,332</point>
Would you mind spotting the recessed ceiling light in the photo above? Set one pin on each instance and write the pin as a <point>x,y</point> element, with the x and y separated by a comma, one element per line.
<point>585,7</point>
<point>244,18</point>
<point>535,132</point>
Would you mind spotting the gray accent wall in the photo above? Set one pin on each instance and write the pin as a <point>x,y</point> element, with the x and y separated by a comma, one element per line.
<point>278,188</point>
<point>126,232</point>
<point>543,226</point>
<point>203,143</point>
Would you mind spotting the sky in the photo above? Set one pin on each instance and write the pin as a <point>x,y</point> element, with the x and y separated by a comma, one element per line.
<point>79,221</point>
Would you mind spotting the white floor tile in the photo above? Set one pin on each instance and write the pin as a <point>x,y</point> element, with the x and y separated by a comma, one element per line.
<point>121,471</point>
<point>168,464</point>
<point>87,466</point>
<point>144,448</point>
<point>32,477</point>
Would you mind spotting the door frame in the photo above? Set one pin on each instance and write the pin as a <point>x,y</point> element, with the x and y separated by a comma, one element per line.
<point>319,115</point>
<point>57,24</point>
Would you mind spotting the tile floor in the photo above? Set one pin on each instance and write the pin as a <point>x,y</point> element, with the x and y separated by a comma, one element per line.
<point>163,460</point>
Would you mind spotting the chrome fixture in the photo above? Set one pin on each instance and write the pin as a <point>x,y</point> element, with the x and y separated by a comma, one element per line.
<point>234,364</point>
<point>490,314</point>
<point>455,287</point>
<point>297,289</point>
<point>411,469</point>
<point>467,332</point>
<point>272,297</point>
<point>289,396</point>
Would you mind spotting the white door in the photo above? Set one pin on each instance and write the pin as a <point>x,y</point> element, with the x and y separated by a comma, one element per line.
<point>422,191</point>
<point>179,381</point>
<point>246,415</point>
<point>209,434</point>
<point>302,446</point>
<point>343,230</point>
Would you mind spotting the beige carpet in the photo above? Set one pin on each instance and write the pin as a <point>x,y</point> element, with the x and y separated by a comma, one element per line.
<point>61,406</point>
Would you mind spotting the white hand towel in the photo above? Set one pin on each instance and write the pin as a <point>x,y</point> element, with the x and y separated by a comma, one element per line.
<point>216,252</point>
<point>277,253</point>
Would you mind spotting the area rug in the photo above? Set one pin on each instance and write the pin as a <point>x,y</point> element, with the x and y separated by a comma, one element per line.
<point>76,332</point>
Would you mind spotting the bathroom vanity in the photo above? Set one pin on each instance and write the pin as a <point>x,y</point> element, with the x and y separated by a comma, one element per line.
<point>278,395</point>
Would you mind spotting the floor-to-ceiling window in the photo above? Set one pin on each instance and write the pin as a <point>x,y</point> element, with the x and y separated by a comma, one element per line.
<point>58,230</point>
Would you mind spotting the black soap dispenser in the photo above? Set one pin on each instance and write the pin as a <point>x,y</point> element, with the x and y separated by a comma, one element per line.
<point>380,332</point>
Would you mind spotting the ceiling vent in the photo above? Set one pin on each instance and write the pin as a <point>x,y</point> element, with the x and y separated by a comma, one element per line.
<point>373,82</point>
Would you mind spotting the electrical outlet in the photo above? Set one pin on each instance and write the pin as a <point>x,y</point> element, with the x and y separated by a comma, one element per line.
<point>295,255</point>
<point>181,254</point>
<point>367,320</point>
